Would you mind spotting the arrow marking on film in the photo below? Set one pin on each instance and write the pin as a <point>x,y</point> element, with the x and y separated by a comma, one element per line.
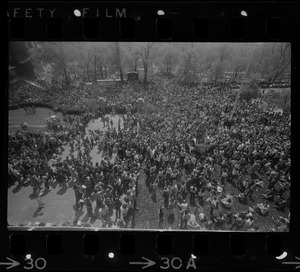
<point>293,263</point>
<point>146,264</point>
<point>12,264</point>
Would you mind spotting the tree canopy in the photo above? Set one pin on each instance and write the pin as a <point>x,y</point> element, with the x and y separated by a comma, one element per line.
<point>73,62</point>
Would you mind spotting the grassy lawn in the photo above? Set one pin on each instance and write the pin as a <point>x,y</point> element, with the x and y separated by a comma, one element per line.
<point>35,122</point>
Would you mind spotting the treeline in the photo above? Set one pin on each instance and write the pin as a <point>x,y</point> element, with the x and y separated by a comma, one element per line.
<point>70,62</point>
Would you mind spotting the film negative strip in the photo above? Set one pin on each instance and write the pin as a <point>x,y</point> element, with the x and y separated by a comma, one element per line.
<point>149,136</point>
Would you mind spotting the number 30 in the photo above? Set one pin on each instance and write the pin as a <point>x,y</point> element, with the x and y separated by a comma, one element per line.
<point>167,263</point>
<point>36,264</point>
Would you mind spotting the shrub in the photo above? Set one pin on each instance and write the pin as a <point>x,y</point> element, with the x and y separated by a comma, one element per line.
<point>249,92</point>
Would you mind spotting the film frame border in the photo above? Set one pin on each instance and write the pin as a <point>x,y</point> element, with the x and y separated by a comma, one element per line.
<point>111,21</point>
<point>217,27</point>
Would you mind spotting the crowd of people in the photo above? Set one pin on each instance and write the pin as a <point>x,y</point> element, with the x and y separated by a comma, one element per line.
<point>203,169</point>
<point>72,96</point>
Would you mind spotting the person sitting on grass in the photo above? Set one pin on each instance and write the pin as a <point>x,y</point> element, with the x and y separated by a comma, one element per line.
<point>269,195</point>
<point>202,217</point>
<point>208,225</point>
<point>227,202</point>
<point>262,208</point>
<point>119,223</point>
<point>219,222</point>
<point>243,184</point>
<point>242,198</point>
<point>192,222</point>
<point>228,217</point>
<point>238,222</point>
<point>280,204</point>
<point>252,188</point>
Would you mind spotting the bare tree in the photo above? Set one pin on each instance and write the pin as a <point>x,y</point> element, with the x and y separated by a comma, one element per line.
<point>61,54</point>
<point>188,63</point>
<point>282,63</point>
<point>259,60</point>
<point>95,67</point>
<point>133,55</point>
<point>87,64</point>
<point>97,57</point>
<point>119,62</point>
<point>20,57</point>
<point>224,55</point>
<point>84,58</point>
<point>169,60</point>
<point>145,56</point>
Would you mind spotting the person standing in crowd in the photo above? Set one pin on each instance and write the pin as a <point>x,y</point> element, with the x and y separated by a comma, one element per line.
<point>165,195</point>
<point>77,196</point>
<point>88,203</point>
<point>185,216</point>
<point>45,181</point>
<point>39,200</point>
<point>153,191</point>
<point>161,216</point>
<point>118,205</point>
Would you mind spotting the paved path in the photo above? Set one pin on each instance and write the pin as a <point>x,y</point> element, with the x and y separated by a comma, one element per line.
<point>93,125</point>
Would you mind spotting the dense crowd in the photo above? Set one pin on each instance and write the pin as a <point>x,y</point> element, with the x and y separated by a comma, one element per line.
<point>192,154</point>
<point>72,96</point>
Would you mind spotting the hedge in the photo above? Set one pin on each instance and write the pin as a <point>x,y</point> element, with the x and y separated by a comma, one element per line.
<point>63,109</point>
<point>13,107</point>
<point>78,110</point>
<point>37,104</point>
<point>59,108</point>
